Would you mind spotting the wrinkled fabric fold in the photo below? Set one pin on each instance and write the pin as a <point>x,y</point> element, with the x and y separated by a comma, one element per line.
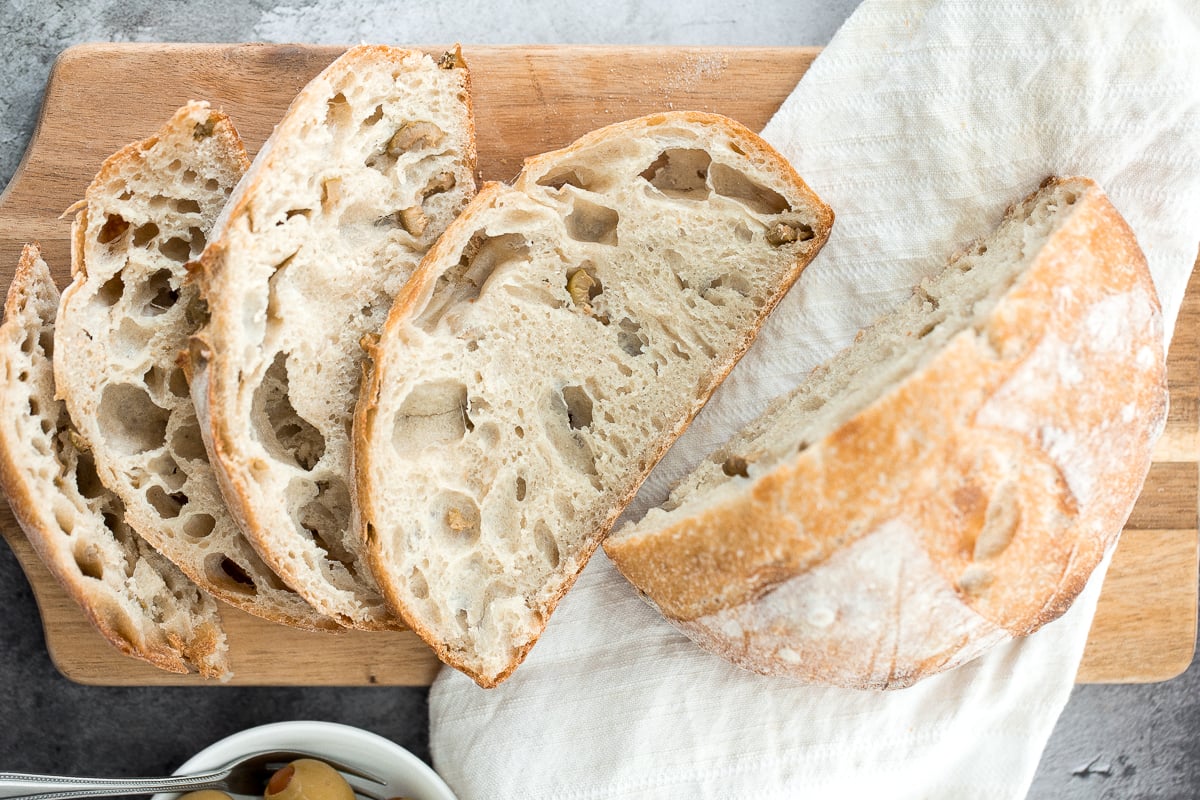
<point>919,124</point>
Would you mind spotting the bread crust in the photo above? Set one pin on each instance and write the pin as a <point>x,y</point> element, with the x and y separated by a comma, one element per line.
<point>217,380</point>
<point>88,335</point>
<point>107,613</point>
<point>420,288</point>
<point>999,473</point>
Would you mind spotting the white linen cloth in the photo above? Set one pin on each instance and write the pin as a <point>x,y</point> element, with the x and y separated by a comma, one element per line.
<point>918,124</point>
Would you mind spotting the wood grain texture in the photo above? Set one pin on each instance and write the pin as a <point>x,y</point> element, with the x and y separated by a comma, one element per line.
<point>527,100</point>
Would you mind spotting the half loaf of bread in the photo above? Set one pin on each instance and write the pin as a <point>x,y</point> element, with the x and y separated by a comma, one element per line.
<point>556,340</point>
<point>369,164</point>
<point>138,600</point>
<point>947,482</point>
<point>124,320</point>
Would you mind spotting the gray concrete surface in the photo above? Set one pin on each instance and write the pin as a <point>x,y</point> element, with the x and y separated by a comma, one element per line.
<point>1112,741</point>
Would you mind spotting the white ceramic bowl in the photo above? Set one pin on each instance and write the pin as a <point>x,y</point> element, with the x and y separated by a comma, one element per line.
<point>405,774</point>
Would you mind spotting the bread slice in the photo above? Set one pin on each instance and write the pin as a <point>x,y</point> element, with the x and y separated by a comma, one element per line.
<point>126,317</point>
<point>550,348</point>
<point>370,163</point>
<point>137,599</point>
<point>947,482</point>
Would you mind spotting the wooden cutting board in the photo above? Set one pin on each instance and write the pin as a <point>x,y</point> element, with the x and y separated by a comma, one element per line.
<point>527,100</point>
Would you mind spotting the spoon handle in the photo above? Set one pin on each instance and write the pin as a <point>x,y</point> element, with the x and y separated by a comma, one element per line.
<point>56,787</point>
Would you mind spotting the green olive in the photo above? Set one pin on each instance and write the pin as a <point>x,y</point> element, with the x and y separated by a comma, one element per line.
<point>205,794</point>
<point>308,779</point>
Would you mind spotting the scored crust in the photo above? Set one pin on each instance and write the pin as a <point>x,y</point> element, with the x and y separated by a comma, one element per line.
<point>371,161</point>
<point>620,279</point>
<point>122,325</point>
<point>966,503</point>
<point>138,601</point>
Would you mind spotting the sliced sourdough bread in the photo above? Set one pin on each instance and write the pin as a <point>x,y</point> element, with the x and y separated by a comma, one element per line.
<point>123,322</point>
<point>947,482</point>
<point>370,163</point>
<point>559,336</point>
<point>138,600</point>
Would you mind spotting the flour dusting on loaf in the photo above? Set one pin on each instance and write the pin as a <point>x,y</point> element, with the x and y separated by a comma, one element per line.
<point>948,481</point>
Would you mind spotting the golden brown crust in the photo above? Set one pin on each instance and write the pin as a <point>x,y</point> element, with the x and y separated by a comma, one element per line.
<point>1027,468</point>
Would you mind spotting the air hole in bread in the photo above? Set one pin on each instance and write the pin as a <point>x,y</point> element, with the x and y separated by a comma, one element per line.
<point>337,111</point>
<point>87,480</point>
<point>195,313</point>
<point>130,420</point>
<point>144,233</point>
<point>589,222</point>
<point>176,249</point>
<point>212,184</point>
<point>519,431</point>
<point>114,228</point>
<point>736,185</point>
<point>566,176</point>
<point>735,148</point>
<point>735,465</point>
<point>187,443</point>
<point>110,293</point>
<point>167,469</point>
<point>376,115</point>
<point>196,240</point>
<point>286,435</point>
<point>455,517</point>
<point>565,436</point>
<point>90,563</point>
<point>579,407</point>
<point>788,231</point>
<point>324,517</point>
<point>167,505</point>
<point>186,205</point>
<point>197,526</point>
<point>680,173</point>
<point>679,352</point>
<point>177,384</point>
<point>546,545</point>
<point>190,176</point>
<point>737,283</point>
<point>462,283</point>
<point>228,574</point>
<point>520,488</point>
<point>433,415</point>
<point>162,297</point>
<point>417,584</point>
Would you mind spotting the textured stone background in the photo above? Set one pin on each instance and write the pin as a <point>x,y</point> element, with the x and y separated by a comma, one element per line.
<point>1112,742</point>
